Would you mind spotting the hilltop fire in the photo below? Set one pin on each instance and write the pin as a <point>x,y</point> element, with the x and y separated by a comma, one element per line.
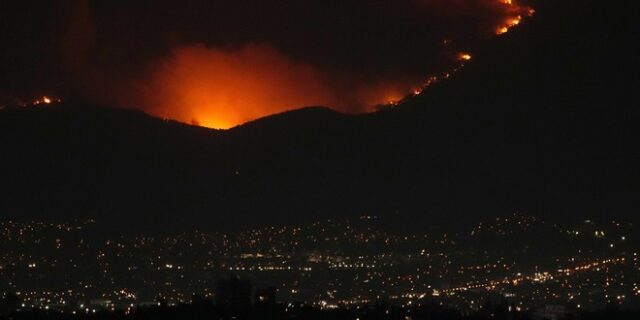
<point>218,65</point>
<point>221,88</point>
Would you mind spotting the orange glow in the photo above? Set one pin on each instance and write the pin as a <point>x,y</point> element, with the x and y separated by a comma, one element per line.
<point>222,88</point>
<point>514,21</point>
<point>502,30</point>
<point>508,25</point>
<point>464,56</point>
<point>43,100</point>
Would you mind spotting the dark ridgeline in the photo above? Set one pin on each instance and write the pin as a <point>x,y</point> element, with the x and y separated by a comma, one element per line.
<point>544,120</point>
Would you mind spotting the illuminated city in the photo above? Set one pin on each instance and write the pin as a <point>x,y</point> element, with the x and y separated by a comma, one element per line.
<point>328,264</point>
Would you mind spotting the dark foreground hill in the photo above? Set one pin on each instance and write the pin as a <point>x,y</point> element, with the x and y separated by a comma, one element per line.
<point>545,120</point>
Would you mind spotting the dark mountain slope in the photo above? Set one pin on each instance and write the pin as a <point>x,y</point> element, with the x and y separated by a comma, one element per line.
<point>550,110</point>
<point>544,119</point>
<point>83,161</point>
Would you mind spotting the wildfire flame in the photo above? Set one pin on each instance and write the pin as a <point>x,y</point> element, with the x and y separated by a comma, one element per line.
<point>464,57</point>
<point>45,100</point>
<point>516,18</point>
<point>222,88</point>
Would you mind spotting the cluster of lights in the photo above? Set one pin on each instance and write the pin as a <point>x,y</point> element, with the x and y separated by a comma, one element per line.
<point>537,276</point>
<point>434,257</point>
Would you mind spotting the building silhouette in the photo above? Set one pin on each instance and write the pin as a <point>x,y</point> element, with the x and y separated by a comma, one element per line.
<point>234,292</point>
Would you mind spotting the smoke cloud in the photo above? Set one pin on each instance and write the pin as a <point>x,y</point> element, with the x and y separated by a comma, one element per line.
<point>222,63</point>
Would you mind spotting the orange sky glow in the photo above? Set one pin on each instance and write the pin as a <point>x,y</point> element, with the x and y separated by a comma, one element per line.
<point>222,88</point>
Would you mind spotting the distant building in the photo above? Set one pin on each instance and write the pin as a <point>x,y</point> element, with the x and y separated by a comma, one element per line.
<point>233,292</point>
<point>551,312</point>
<point>100,303</point>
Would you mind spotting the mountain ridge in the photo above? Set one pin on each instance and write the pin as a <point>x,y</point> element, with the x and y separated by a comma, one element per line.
<point>513,131</point>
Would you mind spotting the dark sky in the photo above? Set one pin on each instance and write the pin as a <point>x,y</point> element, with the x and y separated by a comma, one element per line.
<point>236,60</point>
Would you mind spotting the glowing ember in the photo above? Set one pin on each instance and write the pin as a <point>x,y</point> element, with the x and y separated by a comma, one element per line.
<point>502,30</point>
<point>508,25</point>
<point>44,100</point>
<point>512,22</point>
<point>464,56</point>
